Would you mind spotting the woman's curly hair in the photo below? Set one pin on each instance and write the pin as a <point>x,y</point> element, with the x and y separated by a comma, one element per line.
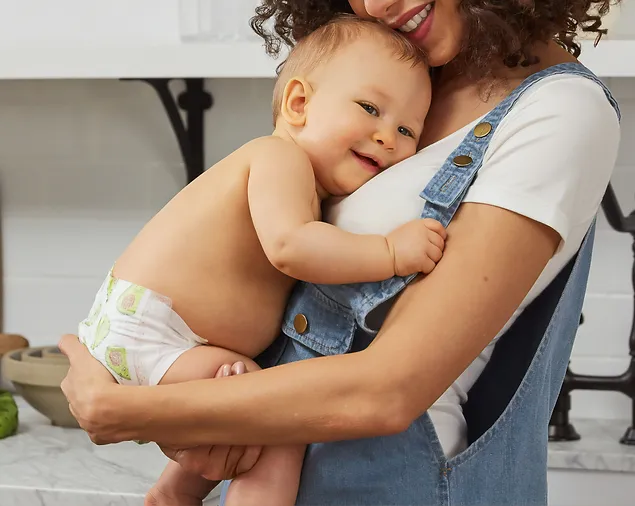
<point>503,30</point>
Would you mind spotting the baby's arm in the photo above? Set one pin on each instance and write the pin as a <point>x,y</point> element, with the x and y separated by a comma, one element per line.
<point>282,202</point>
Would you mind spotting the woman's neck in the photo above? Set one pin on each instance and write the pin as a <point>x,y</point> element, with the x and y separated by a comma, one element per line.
<point>458,100</point>
<point>547,55</point>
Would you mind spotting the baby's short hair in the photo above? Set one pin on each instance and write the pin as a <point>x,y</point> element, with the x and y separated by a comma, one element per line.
<point>319,46</point>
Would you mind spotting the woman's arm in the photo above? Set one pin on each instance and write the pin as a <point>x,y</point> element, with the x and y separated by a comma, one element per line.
<point>436,328</point>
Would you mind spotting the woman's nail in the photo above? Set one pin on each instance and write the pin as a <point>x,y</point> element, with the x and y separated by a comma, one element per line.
<point>226,370</point>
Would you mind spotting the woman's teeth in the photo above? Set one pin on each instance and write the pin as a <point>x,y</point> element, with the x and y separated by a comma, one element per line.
<point>415,21</point>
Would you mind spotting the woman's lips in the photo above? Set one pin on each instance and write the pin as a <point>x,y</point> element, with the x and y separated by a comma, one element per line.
<point>407,16</point>
<point>418,35</point>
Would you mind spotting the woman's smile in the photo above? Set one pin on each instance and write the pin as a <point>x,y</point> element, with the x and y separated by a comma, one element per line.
<point>413,19</point>
<point>418,26</point>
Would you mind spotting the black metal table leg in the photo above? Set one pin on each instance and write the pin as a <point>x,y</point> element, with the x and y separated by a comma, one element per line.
<point>560,428</point>
<point>195,100</point>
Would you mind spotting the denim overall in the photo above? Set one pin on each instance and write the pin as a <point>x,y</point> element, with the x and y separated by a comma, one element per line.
<point>509,406</point>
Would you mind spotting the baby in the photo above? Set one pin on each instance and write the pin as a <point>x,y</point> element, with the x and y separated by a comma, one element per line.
<point>205,282</point>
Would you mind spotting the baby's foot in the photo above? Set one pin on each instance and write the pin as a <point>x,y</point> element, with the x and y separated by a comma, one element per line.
<point>231,369</point>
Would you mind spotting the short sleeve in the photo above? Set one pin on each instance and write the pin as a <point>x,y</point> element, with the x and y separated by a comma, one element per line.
<point>552,157</point>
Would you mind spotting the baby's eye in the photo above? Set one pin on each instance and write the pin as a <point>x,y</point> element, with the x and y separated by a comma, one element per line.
<point>370,109</point>
<point>405,131</point>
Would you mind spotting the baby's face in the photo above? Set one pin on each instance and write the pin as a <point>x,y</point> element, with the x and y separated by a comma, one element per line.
<point>366,114</point>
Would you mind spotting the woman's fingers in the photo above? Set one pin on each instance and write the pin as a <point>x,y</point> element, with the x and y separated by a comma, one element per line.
<point>212,462</point>
<point>218,462</point>
<point>234,455</point>
<point>206,461</point>
<point>70,346</point>
<point>84,386</point>
<point>248,459</point>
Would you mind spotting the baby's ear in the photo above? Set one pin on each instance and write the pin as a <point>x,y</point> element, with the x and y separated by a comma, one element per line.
<point>295,98</point>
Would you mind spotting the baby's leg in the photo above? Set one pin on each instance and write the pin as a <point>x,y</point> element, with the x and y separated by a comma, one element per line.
<point>175,485</point>
<point>275,478</point>
<point>273,481</point>
<point>203,362</point>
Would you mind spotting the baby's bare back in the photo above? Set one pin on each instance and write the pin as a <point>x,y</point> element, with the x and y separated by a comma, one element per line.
<point>202,251</point>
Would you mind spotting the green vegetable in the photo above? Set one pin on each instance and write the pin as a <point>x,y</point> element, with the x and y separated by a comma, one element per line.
<point>8,415</point>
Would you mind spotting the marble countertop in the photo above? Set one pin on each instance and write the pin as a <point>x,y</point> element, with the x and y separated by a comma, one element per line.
<point>52,466</point>
<point>599,448</point>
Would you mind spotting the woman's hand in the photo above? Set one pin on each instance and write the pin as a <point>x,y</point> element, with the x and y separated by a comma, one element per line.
<point>216,463</point>
<point>86,387</point>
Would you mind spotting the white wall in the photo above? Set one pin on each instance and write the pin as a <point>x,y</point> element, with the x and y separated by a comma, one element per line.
<point>70,22</point>
<point>83,164</point>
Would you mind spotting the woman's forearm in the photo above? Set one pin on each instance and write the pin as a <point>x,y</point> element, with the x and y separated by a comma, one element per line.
<point>329,398</point>
<point>487,270</point>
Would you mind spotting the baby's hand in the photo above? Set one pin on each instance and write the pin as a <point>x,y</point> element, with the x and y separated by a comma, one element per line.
<point>417,246</point>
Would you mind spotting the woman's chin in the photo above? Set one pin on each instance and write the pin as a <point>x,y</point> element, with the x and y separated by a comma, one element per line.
<point>442,55</point>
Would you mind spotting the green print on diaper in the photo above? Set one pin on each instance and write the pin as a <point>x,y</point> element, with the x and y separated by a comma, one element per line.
<point>94,314</point>
<point>116,360</point>
<point>103,328</point>
<point>129,300</point>
<point>111,286</point>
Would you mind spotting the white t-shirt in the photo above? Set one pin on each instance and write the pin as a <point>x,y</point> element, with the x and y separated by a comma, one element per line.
<point>550,159</point>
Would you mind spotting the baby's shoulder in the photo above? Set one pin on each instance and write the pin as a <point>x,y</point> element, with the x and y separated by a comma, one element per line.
<point>271,148</point>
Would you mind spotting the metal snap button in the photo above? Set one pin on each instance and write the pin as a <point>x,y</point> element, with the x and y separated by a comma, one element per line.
<point>300,323</point>
<point>482,129</point>
<point>462,160</point>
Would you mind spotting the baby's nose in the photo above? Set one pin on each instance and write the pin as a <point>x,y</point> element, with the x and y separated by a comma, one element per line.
<point>385,139</point>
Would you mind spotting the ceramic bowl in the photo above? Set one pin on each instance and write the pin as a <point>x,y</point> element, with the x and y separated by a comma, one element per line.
<point>37,374</point>
<point>10,342</point>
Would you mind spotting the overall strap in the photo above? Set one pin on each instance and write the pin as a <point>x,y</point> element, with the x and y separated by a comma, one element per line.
<point>448,187</point>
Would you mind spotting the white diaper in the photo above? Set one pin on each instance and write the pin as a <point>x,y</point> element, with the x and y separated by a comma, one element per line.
<point>135,332</point>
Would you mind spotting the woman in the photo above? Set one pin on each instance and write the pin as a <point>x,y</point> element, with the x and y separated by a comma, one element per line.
<point>496,317</point>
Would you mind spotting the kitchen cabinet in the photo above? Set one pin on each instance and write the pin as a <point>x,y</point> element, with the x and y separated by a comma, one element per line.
<point>73,39</point>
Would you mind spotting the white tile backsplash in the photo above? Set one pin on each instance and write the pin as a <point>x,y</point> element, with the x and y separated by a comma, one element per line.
<point>610,268</point>
<point>84,164</point>
<point>47,307</point>
<point>63,246</point>
<point>602,334</point>
<point>627,106</point>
